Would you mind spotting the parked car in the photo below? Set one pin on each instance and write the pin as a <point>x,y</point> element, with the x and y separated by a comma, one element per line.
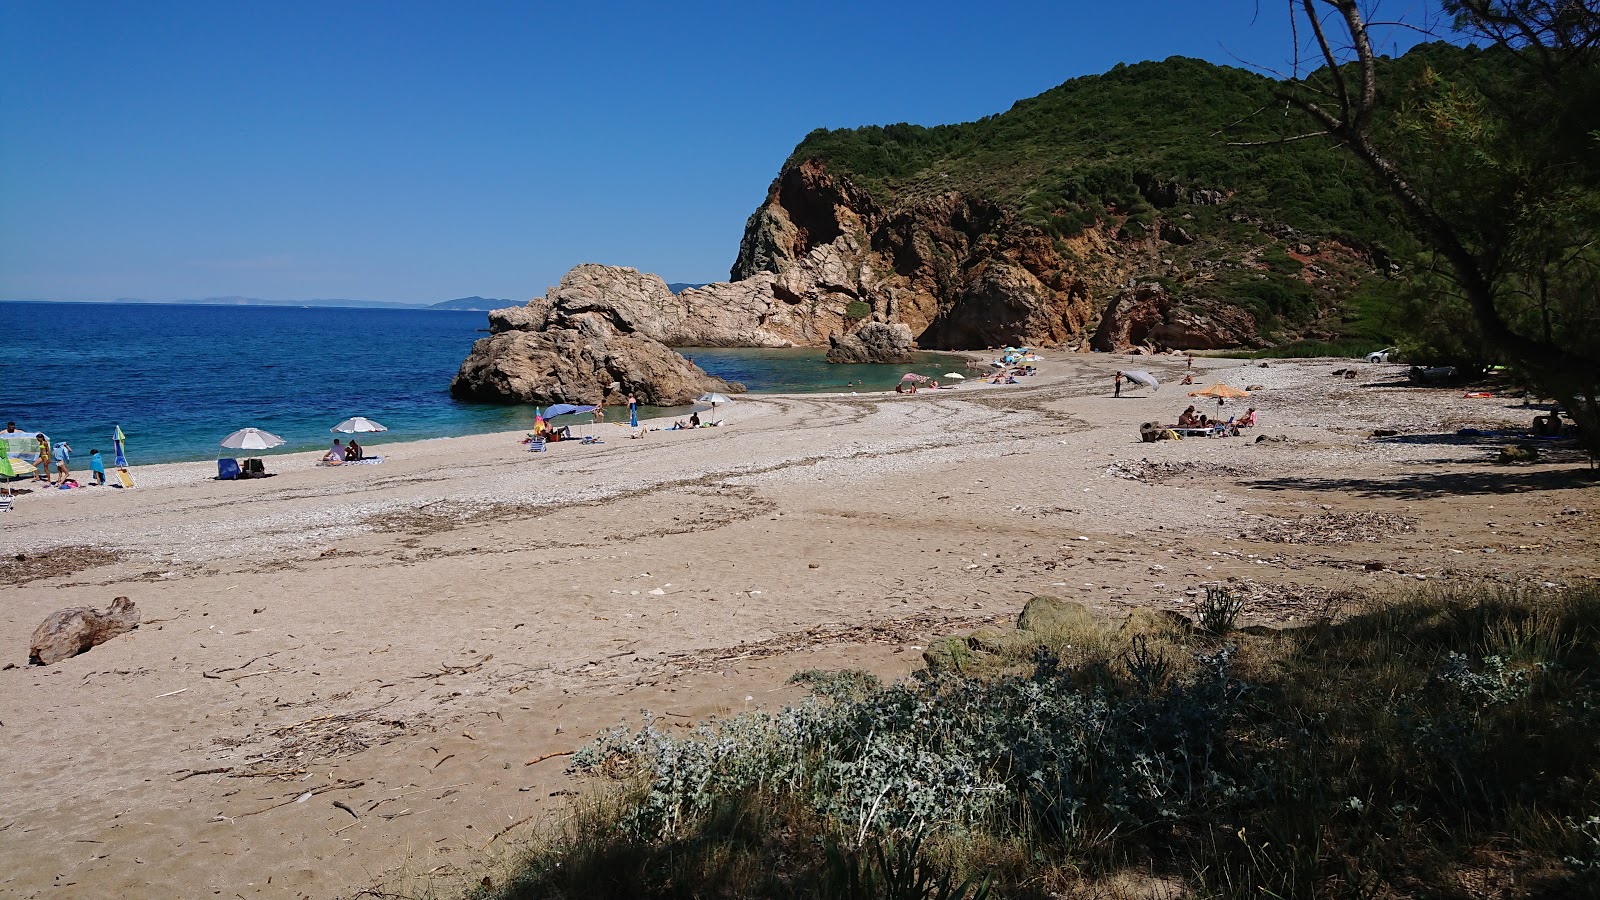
<point>1381,356</point>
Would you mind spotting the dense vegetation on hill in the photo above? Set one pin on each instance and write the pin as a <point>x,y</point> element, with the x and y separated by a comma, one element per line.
<point>1112,148</point>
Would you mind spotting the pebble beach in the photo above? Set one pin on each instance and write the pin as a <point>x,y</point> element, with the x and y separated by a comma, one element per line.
<point>423,641</point>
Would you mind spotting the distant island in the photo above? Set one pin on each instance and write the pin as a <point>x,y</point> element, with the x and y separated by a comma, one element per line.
<point>482,304</point>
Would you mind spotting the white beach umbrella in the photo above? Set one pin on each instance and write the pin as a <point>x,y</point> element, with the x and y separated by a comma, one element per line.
<point>712,399</point>
<point>1138,376</point>
<point>956,375</point>
<point>252,439</point>
<point>357,424</point>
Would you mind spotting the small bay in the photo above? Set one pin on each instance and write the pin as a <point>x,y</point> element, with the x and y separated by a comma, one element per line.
<point>178,377</point>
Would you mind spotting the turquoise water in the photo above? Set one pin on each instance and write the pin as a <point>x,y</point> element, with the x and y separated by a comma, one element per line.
<point>177,378</point>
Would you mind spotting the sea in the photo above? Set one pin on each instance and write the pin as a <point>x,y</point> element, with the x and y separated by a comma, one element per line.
<point>179,377</point>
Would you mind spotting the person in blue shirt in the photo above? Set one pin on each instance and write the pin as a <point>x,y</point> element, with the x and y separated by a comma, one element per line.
<point>97,466</point>
<point>63,453</point>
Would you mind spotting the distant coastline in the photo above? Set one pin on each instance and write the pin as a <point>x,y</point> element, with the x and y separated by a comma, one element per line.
<point>321,303</point>
<point>468,304</point>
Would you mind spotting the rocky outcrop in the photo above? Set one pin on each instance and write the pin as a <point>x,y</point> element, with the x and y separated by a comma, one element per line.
<point>1146,315</point>
<point>959,272</point>
<point>67,633</point>
<point>875,342</point>
<point>596,338</point>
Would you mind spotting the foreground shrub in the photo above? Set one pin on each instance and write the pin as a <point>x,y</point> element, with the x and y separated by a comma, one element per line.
<point>1400,753</point>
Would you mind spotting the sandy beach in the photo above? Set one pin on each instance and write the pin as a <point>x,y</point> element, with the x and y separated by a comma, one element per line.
<point>342,674</point>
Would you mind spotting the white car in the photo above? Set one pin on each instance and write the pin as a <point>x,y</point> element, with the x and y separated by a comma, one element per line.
<point>1380,356</point>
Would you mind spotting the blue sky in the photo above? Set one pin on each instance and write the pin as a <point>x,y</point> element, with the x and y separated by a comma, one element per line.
<point>423,151</point>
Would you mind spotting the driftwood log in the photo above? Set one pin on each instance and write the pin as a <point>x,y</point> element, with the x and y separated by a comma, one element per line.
<point>72,631</point>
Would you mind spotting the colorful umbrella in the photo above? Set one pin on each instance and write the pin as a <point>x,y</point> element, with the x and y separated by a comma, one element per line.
<point>1221,391</point>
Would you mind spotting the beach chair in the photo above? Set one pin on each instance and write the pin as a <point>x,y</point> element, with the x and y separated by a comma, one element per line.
<point>227,469</point>
<point>536,445</point>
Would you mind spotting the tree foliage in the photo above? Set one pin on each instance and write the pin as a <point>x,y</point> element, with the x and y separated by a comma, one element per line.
<point>1498,169</point>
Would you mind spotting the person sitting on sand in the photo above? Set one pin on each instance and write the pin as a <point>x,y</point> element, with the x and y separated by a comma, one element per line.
<point>353,451</point>
<point>335,455</point>
<point>1188,378</point>
<point>1248,420</point>
<point>1188,419</point>
<point>694,420</point>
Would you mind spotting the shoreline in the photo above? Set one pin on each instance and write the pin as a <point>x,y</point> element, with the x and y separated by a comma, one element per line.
<point>405,638</point>
<point>475,423</point>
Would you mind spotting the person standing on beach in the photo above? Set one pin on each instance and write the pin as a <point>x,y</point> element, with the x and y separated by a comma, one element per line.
<point>599,414</point>
<point>42,471</point>
<point>1117,380</point>
<point>97,467</point>
<point>63,453</point>
<point>633,410</point>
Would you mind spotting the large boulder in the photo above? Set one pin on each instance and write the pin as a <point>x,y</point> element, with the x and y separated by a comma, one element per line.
<point>874,342</point>
<point>67,633</point>
<point>1045,614</point>
<point>578,364</point>
<point>601,326</point>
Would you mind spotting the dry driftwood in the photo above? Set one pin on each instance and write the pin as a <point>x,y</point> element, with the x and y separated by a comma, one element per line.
<point>67,633</point>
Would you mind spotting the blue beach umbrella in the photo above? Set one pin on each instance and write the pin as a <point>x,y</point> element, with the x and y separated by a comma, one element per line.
<point>566,409</point>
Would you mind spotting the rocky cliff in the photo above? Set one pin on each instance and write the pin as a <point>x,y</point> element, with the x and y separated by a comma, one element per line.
<point>596,338</point>
<point>965,273</point>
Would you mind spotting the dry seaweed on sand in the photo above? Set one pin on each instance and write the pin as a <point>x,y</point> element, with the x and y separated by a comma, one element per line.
<point>1330,528</point>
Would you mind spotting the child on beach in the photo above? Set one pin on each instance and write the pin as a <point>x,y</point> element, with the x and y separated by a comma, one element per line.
<point>97,467</point>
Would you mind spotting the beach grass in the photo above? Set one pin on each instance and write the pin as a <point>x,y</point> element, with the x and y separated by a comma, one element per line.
<point>1441,744</point>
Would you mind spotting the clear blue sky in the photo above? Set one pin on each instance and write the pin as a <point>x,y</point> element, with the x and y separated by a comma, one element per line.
<point>423,151</point>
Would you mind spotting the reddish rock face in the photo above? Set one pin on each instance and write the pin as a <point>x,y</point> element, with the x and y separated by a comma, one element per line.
<point>1145,315</point>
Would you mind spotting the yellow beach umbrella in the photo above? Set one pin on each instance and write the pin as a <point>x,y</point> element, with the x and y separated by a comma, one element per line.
<point>1221,391</point>
<point>15,466</point>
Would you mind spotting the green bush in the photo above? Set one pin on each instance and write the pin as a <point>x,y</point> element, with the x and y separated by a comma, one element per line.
<point>1370,757</point>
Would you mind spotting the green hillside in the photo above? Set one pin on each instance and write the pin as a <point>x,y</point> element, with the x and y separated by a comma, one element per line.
<point>1080,153</point>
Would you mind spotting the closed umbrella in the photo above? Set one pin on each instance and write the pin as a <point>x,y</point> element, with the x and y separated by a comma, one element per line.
<point>120,457</point>
<point>357,425</point>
